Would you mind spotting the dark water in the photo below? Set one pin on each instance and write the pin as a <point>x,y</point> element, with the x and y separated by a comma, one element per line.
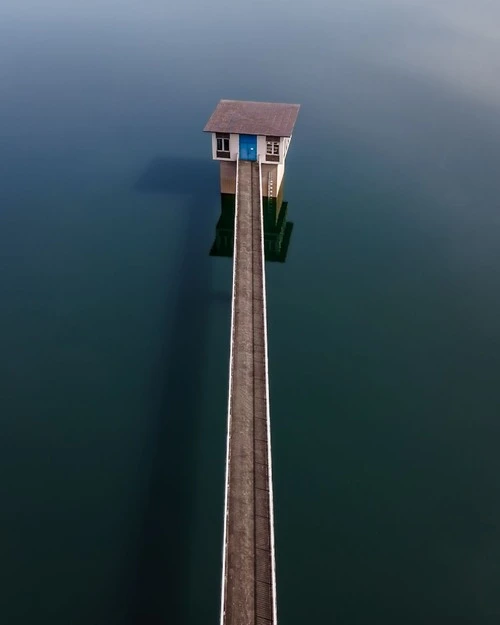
<point>384,321</point>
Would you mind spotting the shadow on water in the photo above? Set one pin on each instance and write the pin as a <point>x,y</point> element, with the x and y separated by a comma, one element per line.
<point>194,177</point>
<point>158,584</point>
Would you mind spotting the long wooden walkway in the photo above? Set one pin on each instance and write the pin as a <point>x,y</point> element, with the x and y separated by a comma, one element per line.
<point>248,578</point>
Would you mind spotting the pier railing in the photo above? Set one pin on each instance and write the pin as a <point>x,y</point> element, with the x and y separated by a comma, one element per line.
<point>268,411</point>
<point>248,594</point>
<point>228,440</point>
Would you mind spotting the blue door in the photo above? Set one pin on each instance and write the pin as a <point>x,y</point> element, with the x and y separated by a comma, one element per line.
<point>248,147</point>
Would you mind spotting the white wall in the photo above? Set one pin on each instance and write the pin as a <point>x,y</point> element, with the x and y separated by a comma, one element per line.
<point>286,145</point>
<point>234,147</point>
<point>261,148</point>
<point>281,171</point>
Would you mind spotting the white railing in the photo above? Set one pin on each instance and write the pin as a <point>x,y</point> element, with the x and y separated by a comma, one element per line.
<point>268,411</point>
<point>229,416</point>
<point>228,442</point>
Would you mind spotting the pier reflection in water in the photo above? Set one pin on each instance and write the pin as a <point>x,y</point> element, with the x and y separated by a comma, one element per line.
<point>277,229</point>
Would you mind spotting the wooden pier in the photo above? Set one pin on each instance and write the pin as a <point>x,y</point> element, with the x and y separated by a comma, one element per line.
<point>248,577</point>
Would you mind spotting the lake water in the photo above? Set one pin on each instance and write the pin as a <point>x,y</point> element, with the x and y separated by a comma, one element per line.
<point>384,323</point>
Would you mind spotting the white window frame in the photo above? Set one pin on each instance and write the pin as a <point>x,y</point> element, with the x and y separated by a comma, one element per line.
<point>223,143</point>
<point>272,148</point>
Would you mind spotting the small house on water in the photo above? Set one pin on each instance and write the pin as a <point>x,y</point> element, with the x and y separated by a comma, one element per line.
<point>253,131</point>
<point>250,131</point>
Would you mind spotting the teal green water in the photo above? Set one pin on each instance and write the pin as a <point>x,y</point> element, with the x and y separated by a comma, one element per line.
<point>384,329</point>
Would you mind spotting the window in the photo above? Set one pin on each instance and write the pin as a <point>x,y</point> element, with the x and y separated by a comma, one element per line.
<point>222,144</point>
<point>272,148</point>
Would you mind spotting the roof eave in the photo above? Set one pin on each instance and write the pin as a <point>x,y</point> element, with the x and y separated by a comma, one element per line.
<point>244,133</point>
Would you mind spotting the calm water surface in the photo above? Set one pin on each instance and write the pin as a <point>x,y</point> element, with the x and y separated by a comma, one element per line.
<point>384,322</point>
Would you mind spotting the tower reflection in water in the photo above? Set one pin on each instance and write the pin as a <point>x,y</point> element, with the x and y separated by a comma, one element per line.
<point>277,230</point>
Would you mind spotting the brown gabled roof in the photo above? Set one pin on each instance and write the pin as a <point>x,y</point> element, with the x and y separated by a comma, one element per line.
<point>253,118</point>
